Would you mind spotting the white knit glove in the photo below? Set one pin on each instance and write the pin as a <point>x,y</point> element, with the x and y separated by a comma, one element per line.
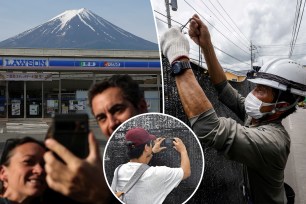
<point>174,44</point>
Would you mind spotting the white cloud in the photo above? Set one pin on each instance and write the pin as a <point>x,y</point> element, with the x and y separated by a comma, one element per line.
<point>265,23</point>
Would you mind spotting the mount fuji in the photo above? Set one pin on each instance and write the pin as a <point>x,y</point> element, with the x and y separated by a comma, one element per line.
<point>78,29</point>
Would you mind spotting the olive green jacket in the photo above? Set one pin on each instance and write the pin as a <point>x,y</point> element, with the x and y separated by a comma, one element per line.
<point>263,149</point>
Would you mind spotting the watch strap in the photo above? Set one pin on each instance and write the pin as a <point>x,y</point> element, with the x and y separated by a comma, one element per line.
<point>183,66</point>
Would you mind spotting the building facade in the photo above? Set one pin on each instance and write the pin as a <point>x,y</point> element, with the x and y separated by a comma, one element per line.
<point>37,83</point>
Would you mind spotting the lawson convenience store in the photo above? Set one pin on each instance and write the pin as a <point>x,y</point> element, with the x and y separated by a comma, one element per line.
<point>37,83</point>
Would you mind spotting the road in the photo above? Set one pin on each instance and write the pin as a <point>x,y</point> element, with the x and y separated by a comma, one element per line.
<point>295,172</point>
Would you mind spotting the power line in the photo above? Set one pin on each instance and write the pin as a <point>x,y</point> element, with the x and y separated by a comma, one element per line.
<point>197,60</point>
<point>167,17</point>
<point>224,18</point>
<point>232,21</point>
<point>299,26</point>
<point>297,21</point>
<point>161,20</point>
<point>216,16</point>
<point>280,45</point>
<point>262,55</point>
<point>197,51</point>
<point>227,55</point>
<point>230,55</point>
<point>217,29</point>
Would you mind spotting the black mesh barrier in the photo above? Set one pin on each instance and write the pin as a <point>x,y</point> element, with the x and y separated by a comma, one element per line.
<point>161,126</point>
<point>222,178</point>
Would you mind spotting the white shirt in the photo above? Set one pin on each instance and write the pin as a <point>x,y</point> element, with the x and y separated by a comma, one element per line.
<point>152,187</point>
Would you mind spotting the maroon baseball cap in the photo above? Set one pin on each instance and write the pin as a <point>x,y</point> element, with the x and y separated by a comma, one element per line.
<point>138,136</point>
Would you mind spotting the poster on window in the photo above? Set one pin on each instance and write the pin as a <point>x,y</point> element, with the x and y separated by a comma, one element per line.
<point>52,106</point>
<point>34,109</point>
<point>15,108</point>
<point>153,101</point>
<point>77,105</point>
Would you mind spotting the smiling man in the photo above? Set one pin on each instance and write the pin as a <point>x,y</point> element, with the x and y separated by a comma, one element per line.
<point>112,101</point>
<point>115,100</point>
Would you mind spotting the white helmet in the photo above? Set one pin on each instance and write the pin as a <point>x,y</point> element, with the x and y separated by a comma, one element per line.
<point>283,74</point>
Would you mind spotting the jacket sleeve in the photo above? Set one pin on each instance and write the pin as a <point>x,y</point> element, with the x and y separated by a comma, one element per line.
<point>232,99</point>
<point>255,147</point>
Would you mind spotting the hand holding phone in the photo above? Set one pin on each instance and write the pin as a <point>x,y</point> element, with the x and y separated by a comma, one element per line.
<point>168,142</point>
<point>71,130</point>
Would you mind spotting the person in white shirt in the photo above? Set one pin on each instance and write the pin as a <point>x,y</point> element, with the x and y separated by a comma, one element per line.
<point>156,182</point>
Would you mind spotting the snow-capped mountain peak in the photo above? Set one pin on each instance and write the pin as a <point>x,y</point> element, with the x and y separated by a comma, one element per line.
<point>79,28</point>
<point>83,14</point>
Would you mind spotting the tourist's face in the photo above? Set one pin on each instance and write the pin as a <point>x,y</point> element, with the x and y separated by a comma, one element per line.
<point>25,175</point>
<point>111,109</point>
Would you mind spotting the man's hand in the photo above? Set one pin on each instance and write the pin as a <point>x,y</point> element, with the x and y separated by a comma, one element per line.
<point>81,180</point>
<point>198,31</point>
<point>174,44</point>
<point>179,145</point>
<point>157,148</point>
<point>185,162</point>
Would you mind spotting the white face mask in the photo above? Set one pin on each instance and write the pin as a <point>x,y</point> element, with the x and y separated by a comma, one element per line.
<point>252,106</point>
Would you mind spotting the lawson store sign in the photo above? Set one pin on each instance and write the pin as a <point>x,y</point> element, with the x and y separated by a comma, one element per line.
<point>78,64</point>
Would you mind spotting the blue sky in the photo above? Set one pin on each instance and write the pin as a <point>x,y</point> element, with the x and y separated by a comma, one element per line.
<point>134,16</point>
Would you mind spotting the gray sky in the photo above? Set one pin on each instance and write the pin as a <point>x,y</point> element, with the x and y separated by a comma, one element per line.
<point>134,16</point>
<point>268,24</point>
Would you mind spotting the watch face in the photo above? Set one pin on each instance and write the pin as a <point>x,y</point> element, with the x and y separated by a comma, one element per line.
<point>176,69</point>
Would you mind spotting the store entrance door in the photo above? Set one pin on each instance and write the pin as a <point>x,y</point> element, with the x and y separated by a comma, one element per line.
<point>16,99</point>
<point>34,99</point>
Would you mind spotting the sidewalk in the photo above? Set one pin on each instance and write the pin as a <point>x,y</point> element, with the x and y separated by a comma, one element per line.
<point>295,172</point>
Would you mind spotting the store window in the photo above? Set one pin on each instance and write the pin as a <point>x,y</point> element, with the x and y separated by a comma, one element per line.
<point>51,96</point>
<point>16,99</point>
<point>2,99</point>
<point>34,99</point>
<point>74,88</point>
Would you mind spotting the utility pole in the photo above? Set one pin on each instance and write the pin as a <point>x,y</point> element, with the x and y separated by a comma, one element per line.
<point>168,13</point>
<point>174,8</point>
<point>252,47</point>
<point>251,56</point>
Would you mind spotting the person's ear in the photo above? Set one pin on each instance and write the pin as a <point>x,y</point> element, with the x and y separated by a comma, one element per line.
<point>3,173</point>
<point>147,148</point>
<point>280,106</point>
<point>142,106</point>
<point>3,179</point>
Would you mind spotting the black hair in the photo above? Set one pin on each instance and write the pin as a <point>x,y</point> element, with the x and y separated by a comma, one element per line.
<point>134,152</point>
<point>129,87</point>
<point>288,97</point>
<point>12,143</point>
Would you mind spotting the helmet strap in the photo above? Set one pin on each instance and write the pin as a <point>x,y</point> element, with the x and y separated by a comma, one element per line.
<point>290,106</point>
<point>275,108</point>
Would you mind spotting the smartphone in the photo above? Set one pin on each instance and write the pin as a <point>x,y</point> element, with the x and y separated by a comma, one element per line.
<point>168,142</point>
<point>71,130</point>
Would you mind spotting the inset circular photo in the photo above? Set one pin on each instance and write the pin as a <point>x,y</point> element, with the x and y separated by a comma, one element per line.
<point>153,158</point>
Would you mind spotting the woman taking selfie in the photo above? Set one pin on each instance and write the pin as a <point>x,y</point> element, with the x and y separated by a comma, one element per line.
<point>22,174</point>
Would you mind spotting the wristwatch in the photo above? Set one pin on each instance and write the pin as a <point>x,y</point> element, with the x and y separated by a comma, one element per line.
<point>178,67</point>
